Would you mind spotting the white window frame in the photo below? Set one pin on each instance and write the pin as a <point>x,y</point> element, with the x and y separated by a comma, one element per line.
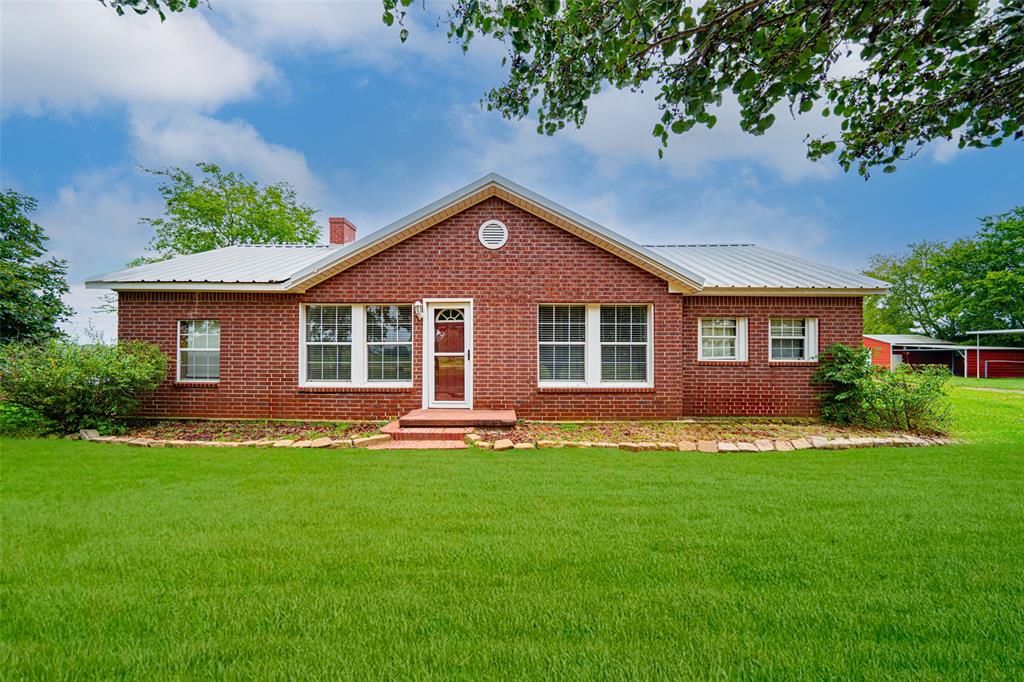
<point>586,336</point>
<point>810,339</point>
<point>177,342</point>
<point>592,349</point>
<point>741,339</point>
<point>359,377</point>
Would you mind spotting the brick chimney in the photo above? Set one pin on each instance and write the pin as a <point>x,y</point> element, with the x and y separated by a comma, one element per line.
<point>342,231</point>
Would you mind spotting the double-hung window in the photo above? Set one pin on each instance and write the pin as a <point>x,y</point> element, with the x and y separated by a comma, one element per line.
<point>388,343</point>
<point>199,350</point>
<point>793,339</point>
<point>328,336</point>
<point>594,345</point>
<point>356,345</point>
<point>723,339</point>
<point>624,336</point>
<point>562,335</point>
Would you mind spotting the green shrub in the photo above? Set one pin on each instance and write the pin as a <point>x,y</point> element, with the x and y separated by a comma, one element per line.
<point>80,386</point>
<point>910,399</point>
<point>904,399</point>
<point>16,420</point>
<point>845,371</point>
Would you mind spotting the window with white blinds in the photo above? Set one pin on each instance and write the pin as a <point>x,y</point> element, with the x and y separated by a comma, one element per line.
<point>594,345</point>
<point>793,339</point>
<point>722,338</point>
<point>355,345</point>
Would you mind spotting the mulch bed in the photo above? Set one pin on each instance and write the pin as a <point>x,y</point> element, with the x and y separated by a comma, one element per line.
<point>718,430</point>
<point>206,430</point>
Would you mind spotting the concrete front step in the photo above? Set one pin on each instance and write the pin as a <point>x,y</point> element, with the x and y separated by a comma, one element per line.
<point>446,417</point>
<point>431,433</point>
<point>421,445</point>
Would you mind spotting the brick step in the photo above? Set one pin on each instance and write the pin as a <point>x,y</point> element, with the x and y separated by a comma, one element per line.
<point>421,445</point>
<point>426,433</point>
<point>447,417</point>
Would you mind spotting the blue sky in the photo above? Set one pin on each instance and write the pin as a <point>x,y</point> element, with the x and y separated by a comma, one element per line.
<point>322,95</point>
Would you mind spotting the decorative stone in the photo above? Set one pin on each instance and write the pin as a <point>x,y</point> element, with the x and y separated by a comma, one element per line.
<point>283,443</point>
<point>783,446</point>
<point>707,446</point>
<point>728,447</point>
<point>687,446</point>
<point>547,443</point>
<point>585,444</point>
<point>503,444</point>
<point>485,444</point>
<point>472,438</point>
<point>179,443</point>
<point>668,447</point>
<point>71,436</point>
<point>819,442</point>
<point>565,444</point>
<point>764,445</point>
<point>746,447</point>
<point>631,447</point>
<point>321,443</point>
<point>88,434</point>
<point>371,440</point>
<point>838,444</point>
<point>605,444</point>
<point>302,444</point>
<point>524,446</point>
<point>139,442</point>
<point>862,442</point>
<point>801,444</point>
<point>341,443</point>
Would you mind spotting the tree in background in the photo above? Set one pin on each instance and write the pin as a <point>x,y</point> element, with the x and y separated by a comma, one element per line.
<point>220,209</point>
<point>223,209</point>
<point>30,287</point>
<point>911,304</point>
<point>945,290</point>
<point>896,74</point>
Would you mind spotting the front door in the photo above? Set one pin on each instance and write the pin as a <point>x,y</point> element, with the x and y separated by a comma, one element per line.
<point>449,364</point>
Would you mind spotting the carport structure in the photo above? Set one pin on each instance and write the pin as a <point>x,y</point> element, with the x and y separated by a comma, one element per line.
<point>890,350</point>
<point>995,361</point>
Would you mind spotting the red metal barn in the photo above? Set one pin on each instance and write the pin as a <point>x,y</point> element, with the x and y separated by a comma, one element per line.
<point>890,350</point>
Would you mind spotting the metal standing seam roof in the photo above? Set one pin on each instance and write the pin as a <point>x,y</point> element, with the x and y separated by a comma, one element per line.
<point>280,267</point>
<point>908,340</point>
<point>249,264</point>
<point>751,266</point>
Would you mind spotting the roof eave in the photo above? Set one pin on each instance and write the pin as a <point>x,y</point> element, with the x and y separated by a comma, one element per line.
<point>791,291</point>
<point>255,287</point>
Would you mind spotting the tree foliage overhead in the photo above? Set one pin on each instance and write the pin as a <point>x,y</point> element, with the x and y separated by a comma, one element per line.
<point>221,209</point>
<point>945,290</point>
<point>31,287</point>
<point>896,73</point>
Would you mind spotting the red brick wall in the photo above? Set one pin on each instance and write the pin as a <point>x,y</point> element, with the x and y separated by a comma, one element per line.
<point>541,263</point>
<point>758,386</point>
<point>881,352</point>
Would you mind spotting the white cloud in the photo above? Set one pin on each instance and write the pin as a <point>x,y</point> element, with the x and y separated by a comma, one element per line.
<point>353,28</point>
<point>92,222</point>
<point>183,139</point>
<point>68,56</point>
<point>618,130</point>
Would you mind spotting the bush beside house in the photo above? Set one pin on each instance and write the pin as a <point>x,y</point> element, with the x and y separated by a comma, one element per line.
<point>75,386</point>
<point>859,393</point>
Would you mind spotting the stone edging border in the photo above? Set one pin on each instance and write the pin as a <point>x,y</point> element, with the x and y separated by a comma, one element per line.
<point>475,440</point>
<point>762,445</point>
<point>365,442</point>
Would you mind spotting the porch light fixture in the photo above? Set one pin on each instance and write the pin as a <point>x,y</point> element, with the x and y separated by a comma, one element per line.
<point>417,309</point>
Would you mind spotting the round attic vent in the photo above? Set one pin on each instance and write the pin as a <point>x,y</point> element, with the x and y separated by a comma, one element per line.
<point>493,234</point>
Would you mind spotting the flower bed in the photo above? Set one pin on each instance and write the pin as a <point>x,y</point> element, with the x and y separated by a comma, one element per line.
<point>250,430</point>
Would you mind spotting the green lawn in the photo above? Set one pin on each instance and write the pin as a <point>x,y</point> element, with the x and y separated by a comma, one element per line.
<point>1016,384</point>
<point>124,562</point>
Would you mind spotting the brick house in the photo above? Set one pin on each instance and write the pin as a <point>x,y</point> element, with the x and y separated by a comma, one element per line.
<point>492,297</point>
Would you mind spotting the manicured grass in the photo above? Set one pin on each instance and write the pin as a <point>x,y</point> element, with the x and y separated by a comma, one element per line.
<point>1017,384</point>
<point>124,562</point>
